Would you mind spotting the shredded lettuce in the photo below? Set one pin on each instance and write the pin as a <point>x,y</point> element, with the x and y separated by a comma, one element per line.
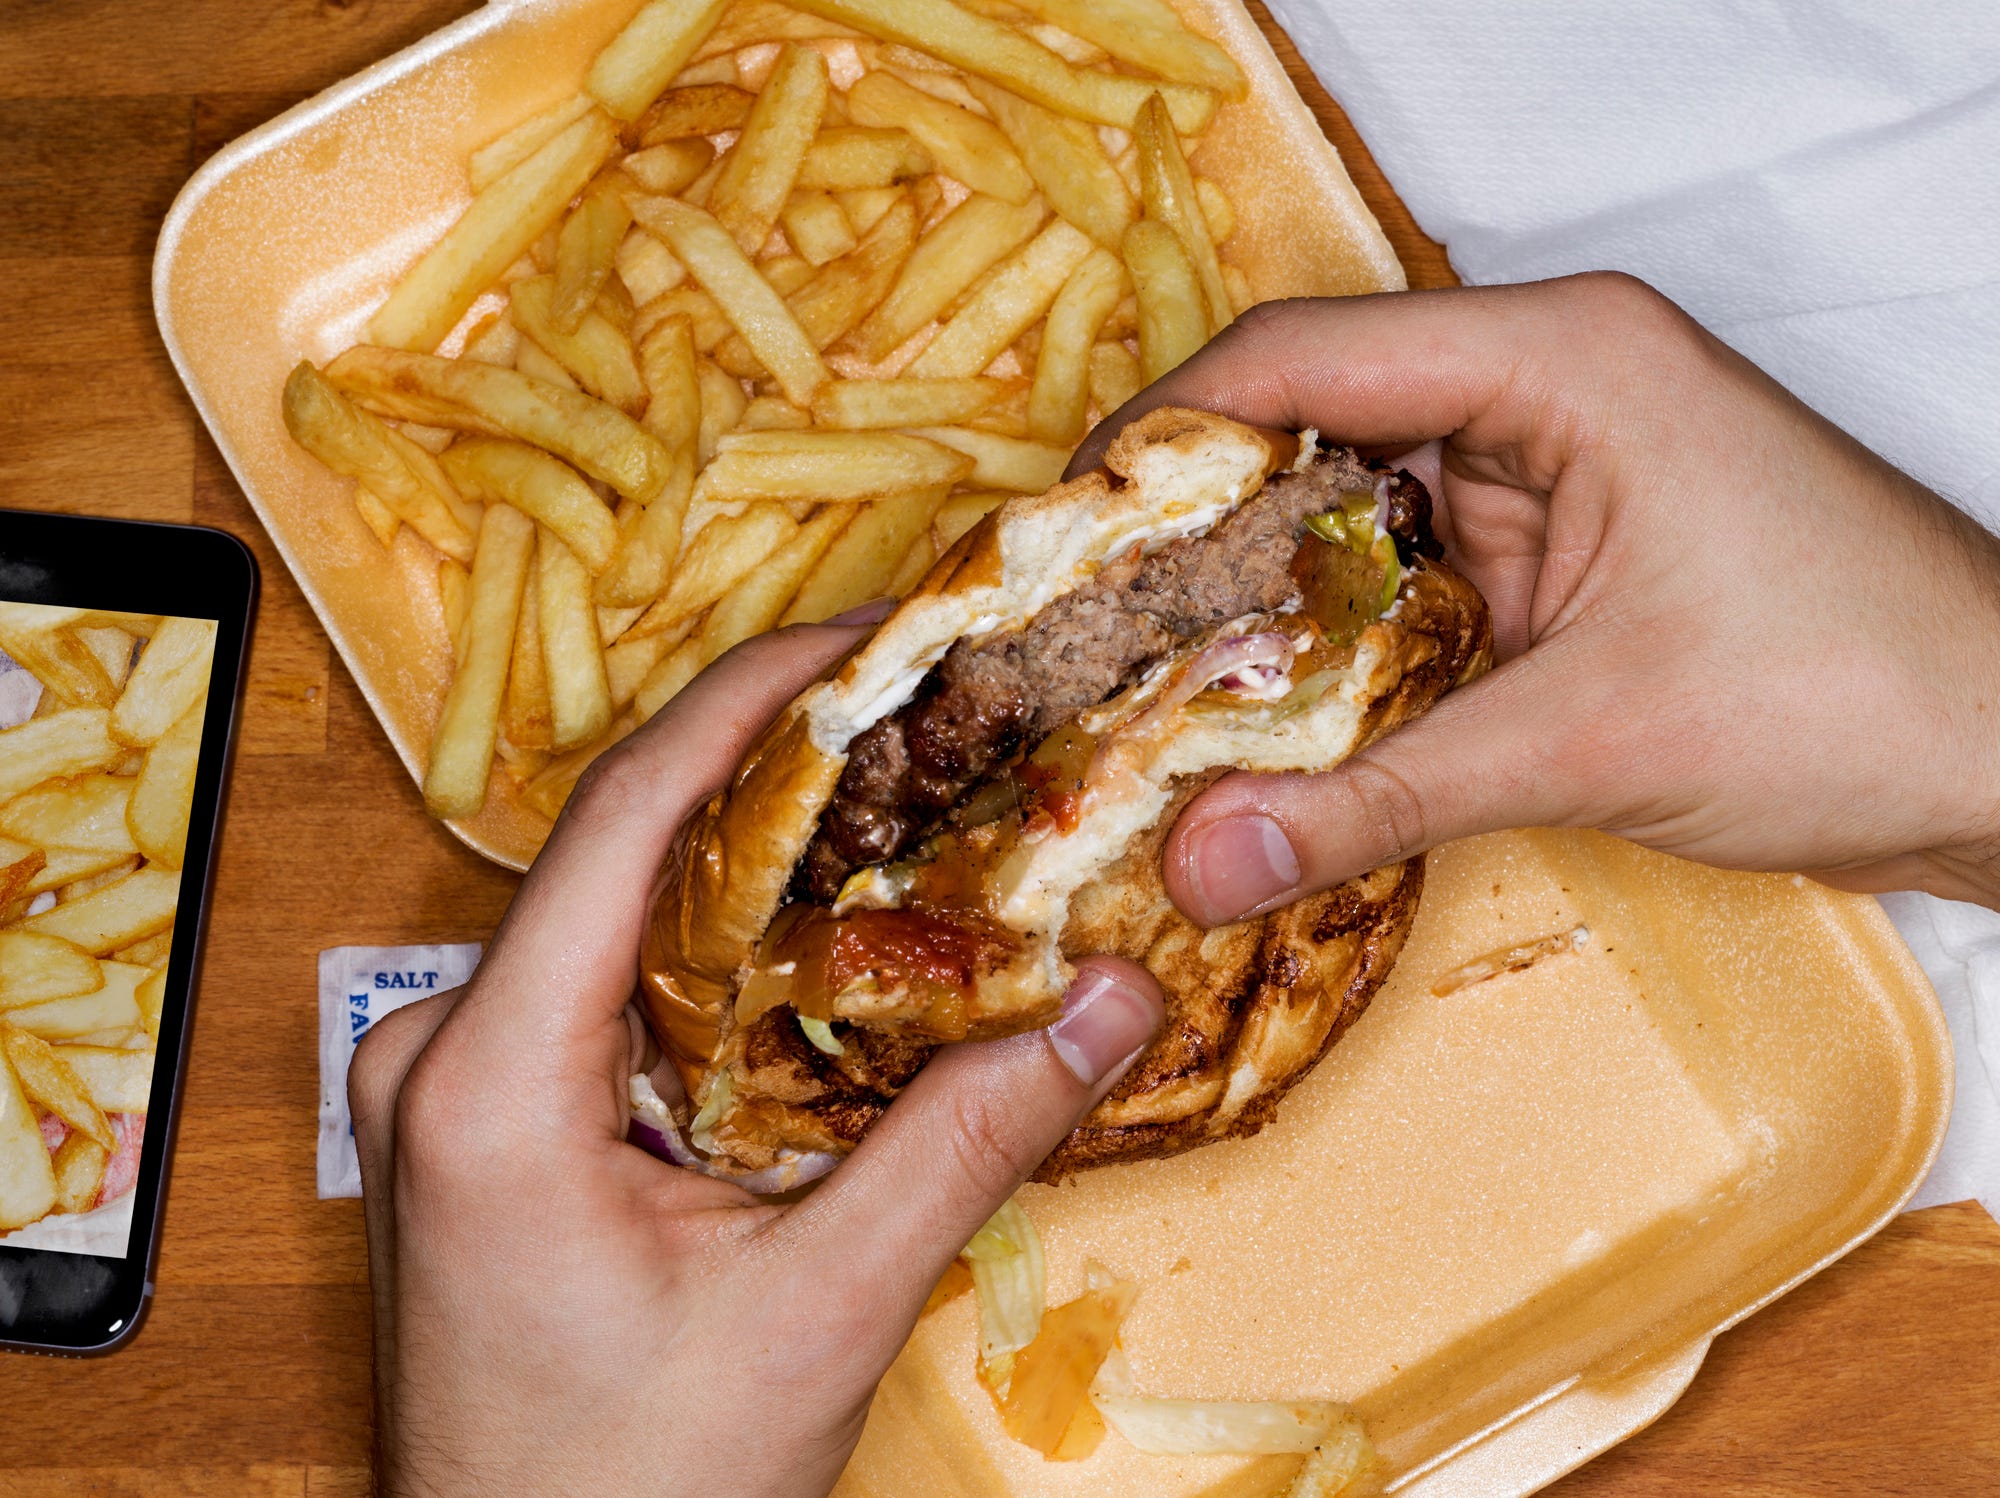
<point>1011,1286</point>
<point>820,1033</point>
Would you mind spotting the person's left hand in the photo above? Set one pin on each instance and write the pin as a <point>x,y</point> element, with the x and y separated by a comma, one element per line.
<point>556,1311</point>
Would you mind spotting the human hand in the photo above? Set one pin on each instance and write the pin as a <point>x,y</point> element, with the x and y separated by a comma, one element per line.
<point>556,1311</point>
<point>1725,628</point>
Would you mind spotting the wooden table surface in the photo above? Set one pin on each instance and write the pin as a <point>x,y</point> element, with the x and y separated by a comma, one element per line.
<point>251,1374</point>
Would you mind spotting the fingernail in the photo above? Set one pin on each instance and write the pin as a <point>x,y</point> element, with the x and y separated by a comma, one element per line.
<point>1103,1025</point>
<point>872,612</point>
<point>1237,864</point>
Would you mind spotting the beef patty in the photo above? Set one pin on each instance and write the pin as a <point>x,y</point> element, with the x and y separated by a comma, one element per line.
<point>982,704</point>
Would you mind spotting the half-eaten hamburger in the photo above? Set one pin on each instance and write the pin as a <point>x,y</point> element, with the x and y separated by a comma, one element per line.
<point>918,847</point>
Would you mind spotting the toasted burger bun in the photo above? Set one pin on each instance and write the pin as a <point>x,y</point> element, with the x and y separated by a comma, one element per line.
<point>966,924</point>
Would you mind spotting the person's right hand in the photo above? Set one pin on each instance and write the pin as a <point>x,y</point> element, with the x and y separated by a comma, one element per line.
<point>1725,629</point>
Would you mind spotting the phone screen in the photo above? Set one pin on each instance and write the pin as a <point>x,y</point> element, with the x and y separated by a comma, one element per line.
<point>102,715</point>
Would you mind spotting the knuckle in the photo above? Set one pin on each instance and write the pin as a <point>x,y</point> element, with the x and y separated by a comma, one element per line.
<point>607,791</point>
<point>381,1056</point>
<point>432,1118</point>
<point>1394,820</point>
<point>1634,303</point>
<point>982,1147</point>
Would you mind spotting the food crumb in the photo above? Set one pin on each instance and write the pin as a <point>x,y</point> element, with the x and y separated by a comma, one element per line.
<point>1182,1265</point>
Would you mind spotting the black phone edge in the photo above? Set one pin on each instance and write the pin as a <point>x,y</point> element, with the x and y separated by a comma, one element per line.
<point>132,1291</point>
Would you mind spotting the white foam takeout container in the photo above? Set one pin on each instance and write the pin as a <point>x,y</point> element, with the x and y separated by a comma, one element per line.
<point>1506,1224</point>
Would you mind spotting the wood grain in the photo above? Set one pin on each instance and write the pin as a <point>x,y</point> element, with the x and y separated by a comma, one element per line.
<point>251,1374</point>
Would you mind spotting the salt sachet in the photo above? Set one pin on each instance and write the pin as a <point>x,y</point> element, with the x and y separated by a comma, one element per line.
<point>357,986</point>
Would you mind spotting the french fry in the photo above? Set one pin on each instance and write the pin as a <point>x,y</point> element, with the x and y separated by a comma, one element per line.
<point>1002,462</point>
<point>148,951</point>
<point>150,997</point>
<point>960,513</point>
<point>611,623</point>
<point>46,641</point>
<point>968,241</point>
<point>1216,209</point>
<point>454,586</point>
<point>352,442</point>
<point>505,152</point>
<point>1173,314</point>
<point>848,158</point>
<point>758,601</point>
<point>1241,297</point>
<point>846,290</point>
<point>172,672</point>
<point>117,1081</point>
<point>552,784</point>
<point>758,174</point>
<point>647,267</point>
<point>1137,32</point>
<point>915,564</point>
<point>493,341</point>
<point>666,679</point>
<point>36,968</point>
<point>862,559</point>
<point>585,432</point>
<point>828,466</point>
<point>496,230</point>
<point>525,718</point>
<point>1013,296</point>
<point>650,538</point>
<point>587,249</point>
<point>641,60</point>
<point>115,916</point>
<point>113,648</point>
<point>722,405</point>
<point>721,553</point>
<point>858,405</point>
<point>1061,392</point>
<point>598,353</point>
<point>750,23</point>
<point>112,1005</point>
<point>579,696</point>
<point>771,413</point>
<point>628,663</point>
<point>1168,188</point>
<point>541,488</point>
<point>533,361</point>
<point>787,273</point>
<point>758,313</point>
<point>671,167</point>
<point>706,321</point>
<point>964,145</point>
<point>50,1084</point>
<point>73,741</point>
<point>462,747</point>
<point>378,517</point>
<point>163,796</point>
<point>1066,158</point>
<point>27,1178</point>
<point>1114,376</point>
<point>77,889</point>
<point>995,51</point>
<point>865,205</point>
<point>85,813</point>
<point>79,1163</point>
<point>19,866</point>
<point>817,228</point>
<point>703,109</point>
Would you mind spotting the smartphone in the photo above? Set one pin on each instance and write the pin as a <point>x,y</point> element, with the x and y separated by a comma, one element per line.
<point>121,660</point>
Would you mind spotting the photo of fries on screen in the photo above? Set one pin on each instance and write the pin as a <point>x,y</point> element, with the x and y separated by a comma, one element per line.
<point>751,328</point>
<point>101,717</point>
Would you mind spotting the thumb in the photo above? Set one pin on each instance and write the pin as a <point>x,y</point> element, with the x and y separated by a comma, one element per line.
<point>1509,750</point>
<point>967,1131</point>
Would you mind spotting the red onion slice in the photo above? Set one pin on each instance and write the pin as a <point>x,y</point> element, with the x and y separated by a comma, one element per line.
<point>1234,656</point>
<point>653,1130</point>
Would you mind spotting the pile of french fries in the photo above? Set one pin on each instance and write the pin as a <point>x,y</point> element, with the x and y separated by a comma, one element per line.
<point>755,325</point>
<point>96,788</point>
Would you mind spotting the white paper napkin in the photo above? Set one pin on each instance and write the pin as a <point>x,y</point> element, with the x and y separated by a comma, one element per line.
<point>1818,181</point>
